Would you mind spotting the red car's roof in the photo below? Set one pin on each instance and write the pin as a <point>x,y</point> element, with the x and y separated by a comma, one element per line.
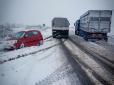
<point>29,30</point>
<point>32,30</point>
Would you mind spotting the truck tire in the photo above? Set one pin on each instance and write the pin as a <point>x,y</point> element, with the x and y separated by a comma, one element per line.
<point>66,37</point>
<point>85,38</point>
<point>53,35</point>
<point>106,39</point>
<point>76,33</point>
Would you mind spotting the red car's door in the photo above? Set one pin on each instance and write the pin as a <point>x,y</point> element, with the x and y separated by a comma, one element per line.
<point>36,37</point>
<point>28,38</point>
<point>32,38</point>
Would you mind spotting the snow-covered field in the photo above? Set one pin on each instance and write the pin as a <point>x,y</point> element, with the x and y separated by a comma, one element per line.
<point>32,65</point>
<point>30,69</point>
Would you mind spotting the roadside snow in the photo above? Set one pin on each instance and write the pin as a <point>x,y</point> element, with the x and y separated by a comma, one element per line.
<point>19,72</point>
<point>100,50</point>
<point>62,82</point>
<point>33,68</point>
<point>111,40</point>
<point>23,51</point>
<point>2,45</point>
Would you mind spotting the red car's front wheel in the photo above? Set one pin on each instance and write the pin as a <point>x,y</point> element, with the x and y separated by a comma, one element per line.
<point>21,45</point>
<point>40,43</point>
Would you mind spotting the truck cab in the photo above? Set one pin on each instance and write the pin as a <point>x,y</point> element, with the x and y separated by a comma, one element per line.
<point>60,27</point>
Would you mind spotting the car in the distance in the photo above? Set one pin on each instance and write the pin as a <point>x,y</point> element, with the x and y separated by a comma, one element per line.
<point>25,39</point>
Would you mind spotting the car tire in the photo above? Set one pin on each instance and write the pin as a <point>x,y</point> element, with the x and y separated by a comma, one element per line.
<point>21,46</point>
<point>40,43</point>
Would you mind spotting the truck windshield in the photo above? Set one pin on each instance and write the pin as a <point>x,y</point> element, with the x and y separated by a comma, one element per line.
<point>60,22</point>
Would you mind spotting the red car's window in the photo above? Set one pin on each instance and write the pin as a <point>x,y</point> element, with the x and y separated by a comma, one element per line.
<point>35,33</point>
<point>30,33</point>
<point>19,34</point>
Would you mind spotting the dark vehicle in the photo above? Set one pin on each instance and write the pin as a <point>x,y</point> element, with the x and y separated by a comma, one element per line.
<point>60,28</point>
<point>94,25</point>
<point>25,39</point>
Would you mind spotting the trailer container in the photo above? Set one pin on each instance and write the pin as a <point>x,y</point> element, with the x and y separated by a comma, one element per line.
<point>94,24</point>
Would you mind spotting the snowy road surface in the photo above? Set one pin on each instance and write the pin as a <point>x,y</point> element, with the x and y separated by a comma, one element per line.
<point>43,68</point>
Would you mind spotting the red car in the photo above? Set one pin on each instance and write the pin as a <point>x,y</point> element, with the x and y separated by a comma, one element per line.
<point>25,39</point>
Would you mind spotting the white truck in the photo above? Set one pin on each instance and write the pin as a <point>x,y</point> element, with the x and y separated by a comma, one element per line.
<point>60,27</point>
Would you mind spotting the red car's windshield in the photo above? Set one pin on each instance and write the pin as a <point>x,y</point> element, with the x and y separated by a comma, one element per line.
<point>19,34</point>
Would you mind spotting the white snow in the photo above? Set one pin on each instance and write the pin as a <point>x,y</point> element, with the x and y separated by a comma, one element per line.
<point>100,50</point>
<point>89,61</point>
<point>94,47</point>
<point>28,70</point>
<point>62,82</point>
<point>39,63</point>
<point>33,68</point>
<point>111,40</point>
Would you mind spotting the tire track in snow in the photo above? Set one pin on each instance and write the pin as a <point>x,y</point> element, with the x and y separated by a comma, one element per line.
<point>94,73</point>
<point>83,76</point>
<point>63,72</point>
<point>98,58</point>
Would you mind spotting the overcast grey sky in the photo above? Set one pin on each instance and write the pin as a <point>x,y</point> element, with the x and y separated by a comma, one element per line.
<point>42,11</point>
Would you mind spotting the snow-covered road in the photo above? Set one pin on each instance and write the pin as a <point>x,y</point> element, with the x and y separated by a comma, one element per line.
<point>57,62</point>
<point>37,66</point>
<point>43,68</point>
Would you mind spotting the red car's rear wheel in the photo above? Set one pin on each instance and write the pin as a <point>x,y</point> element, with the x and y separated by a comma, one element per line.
<point>40,43</point>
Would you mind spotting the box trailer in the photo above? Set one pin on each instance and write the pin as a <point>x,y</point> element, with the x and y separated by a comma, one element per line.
<point>60,28</point>
<point>94,24</point>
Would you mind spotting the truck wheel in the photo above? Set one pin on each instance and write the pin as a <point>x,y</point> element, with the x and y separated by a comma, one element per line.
<point>106,39</point>
<point>54,36</point>
<point>85,38</point>
<point>76,33</point>
<point>66,37</point>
